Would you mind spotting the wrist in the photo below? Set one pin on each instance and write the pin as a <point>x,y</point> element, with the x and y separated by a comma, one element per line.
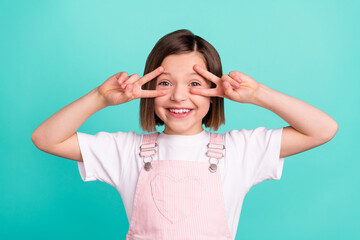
<point>262,96</point>
<point>100,100</point>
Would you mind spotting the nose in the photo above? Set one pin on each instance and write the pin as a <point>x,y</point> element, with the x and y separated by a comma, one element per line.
<point>179,93</point>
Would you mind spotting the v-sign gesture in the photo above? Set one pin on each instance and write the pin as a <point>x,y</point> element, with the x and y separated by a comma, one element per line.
<point>121,88</point>
<point>236,86</point>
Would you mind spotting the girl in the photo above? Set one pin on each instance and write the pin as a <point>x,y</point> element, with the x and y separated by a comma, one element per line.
<point>185,182</point>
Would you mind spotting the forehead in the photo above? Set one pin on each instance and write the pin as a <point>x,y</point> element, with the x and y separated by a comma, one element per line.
<point>182,64</point>
<point>187,74</point>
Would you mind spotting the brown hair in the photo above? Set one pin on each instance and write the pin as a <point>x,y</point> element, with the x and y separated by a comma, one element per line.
<point>178,42</point>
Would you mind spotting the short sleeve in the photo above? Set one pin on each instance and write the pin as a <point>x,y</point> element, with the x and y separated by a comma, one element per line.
<point>104,155</point>
<point>260,153</point>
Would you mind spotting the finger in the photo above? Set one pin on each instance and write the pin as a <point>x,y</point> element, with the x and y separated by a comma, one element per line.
<point>132,79</point>
<point>153,93</point>
<point>151,75</point>
<point>128,91</point>
<point>206,74</point>
<point>208,92</point>
<point>116,76</point>
<point>228,90</point>
<point>242,76</point>
<point>122,77</point>
<point>236,76</point>
<point>233,83</point>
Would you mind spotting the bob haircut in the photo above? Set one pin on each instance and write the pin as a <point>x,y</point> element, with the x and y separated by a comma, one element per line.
<point>179,42</point>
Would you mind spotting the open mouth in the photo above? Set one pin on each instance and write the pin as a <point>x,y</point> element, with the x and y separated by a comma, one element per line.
<point>176,112</point>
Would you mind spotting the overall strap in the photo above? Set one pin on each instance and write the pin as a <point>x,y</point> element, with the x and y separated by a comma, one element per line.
<point>148,148</point>
<point>215,150</point>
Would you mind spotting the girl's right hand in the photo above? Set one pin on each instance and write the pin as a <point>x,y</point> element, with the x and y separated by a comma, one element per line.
<point>121,88</point>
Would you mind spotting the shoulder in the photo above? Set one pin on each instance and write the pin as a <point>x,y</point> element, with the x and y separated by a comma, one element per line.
<point>130,134</point>
<point>104,138</point>
<point>246,135</point>
<point>243,132</point>
<point>249,132</point>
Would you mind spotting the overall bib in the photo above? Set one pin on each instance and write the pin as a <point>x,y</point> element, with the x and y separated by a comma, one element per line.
<point>179,200</point>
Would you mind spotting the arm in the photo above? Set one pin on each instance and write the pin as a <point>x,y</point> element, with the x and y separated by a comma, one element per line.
<point>309,126</point>
<point>62,125</point>
<point>57,134</point>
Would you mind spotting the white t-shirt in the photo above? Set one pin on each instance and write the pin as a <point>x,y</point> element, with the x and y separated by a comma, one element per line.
<point>251,156</point>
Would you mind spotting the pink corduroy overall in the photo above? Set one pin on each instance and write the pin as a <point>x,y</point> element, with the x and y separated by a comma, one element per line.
<point>179,200</point>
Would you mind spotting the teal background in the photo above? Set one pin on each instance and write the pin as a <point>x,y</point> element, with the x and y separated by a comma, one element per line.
<point>54,52</point>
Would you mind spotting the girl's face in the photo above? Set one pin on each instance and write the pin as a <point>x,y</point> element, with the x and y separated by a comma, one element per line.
<point>181,111</point>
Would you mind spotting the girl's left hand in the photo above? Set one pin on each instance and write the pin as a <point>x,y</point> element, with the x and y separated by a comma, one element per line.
<point>236,86</point>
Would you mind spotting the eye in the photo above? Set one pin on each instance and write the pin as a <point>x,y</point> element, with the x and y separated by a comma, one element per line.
<point>164,83</point>
<point>194,84</point>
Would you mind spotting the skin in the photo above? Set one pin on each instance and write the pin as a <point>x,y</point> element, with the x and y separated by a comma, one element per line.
<point>309,126</point>
<point>178,89</point>
<point>121,88</point>
<point>235,86</point>
<point>194,92</point>
<point>178,84</point>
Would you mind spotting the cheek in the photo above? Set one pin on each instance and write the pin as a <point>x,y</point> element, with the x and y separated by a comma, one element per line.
<point>158,106</point>
<point>202,103</point>
<point>157,112</point>
<point>160,101</point>
<point>201,99</point>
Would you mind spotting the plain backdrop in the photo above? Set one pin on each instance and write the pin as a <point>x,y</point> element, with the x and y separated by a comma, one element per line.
<point>54,52</point>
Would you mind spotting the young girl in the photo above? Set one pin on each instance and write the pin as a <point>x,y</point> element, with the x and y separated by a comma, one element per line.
<point>185,182</point>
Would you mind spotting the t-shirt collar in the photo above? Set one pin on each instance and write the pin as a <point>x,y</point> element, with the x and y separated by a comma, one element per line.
<point>185,139</point>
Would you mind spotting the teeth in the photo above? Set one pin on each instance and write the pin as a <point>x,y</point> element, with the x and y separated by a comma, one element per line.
<point>179,110</point>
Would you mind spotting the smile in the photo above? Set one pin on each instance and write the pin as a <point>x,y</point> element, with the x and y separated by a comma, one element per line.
<point>179,112</point>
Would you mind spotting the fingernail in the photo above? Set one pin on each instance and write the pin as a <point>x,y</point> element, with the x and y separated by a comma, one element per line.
<point>237,85</point>
<point>238,79</point>
<point>123,85</point>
